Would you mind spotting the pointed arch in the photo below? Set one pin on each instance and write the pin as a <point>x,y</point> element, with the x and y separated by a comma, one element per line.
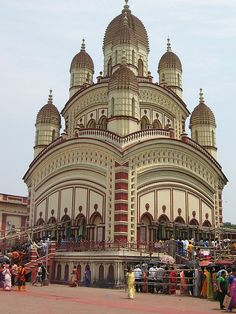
<point>95,218</point>
<point>163,219</point>
<point>40,222</point>
<point>179,220</point>
<point>111,274</point>
<point>206,223</point>
<point>52,220</point>
<point>91,124</point>
<point>80,222</point>
<point>140,67</point>
<point>144,123</point>
<point>156,124</point>
<point>146,218</point>
<point>194,222</point>
<point>101,273</point>
<point>103,122</point>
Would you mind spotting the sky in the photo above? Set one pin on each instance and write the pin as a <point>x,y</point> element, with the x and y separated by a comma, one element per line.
<point>38,40</point>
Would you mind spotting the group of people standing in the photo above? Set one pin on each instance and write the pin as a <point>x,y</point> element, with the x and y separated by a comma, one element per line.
<point>11,275</point>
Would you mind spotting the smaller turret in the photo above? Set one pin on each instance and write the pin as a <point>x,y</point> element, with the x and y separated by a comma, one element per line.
<point>81,70</point>
<point>170,71</point>
<point>48,124</point>
<point>203,126</point>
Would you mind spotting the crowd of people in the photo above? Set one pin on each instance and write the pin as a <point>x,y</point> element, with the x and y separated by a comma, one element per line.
<point>212,283</point>
<point>12,275</point>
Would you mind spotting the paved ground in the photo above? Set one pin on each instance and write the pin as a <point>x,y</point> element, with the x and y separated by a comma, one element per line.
<point>65,300</point>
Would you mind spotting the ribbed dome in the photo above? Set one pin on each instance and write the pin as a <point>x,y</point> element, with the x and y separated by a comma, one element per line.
<point>123,78</point>
<point>49,113</point>
<point>169,60</point>
<point>115,27</point>
<point>125,35</point>
<point>82,60</point>
<point>202,114</point>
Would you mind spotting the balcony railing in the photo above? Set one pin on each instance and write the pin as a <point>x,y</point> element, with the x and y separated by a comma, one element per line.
<point>127,140</point>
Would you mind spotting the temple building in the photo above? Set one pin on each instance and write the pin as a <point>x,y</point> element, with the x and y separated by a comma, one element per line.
<point>124,169</point>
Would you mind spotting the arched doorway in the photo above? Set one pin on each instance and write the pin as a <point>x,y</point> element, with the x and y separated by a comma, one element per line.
<point>53,228</point>
<point>97,229</point>
<point>66,226</point>
<point>179,228</point>
<point>156,124</point>
<point>66,276</point>
<point>111,275</point>
<point>103,122</point>
<point>101,275</point>
<point>80,233</point>
<point>91,124</point>
<point>58,272</point>
<point>163,231</point>
<point>145,123</point>
<point>145,234</point>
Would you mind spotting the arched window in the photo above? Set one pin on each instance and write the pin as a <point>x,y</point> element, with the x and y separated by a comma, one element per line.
<point>140,67</point>
<point>81,225</point>
<point>59,272</point>
<point>53,135</point>
<point>178,78</point>
<point>88,78</point>
<point>133,57</point>
<point>103,122</point>
<point>163,78</point>
<point>133,107</point>
<point>91,124</point>
<point>101,273</point>
<point>156,124</point>
<point>206,224</point>
<point>193,222</point>
<point>37,137</point>
<point>111,274</point>
<point>109,67</point>
<point>66,277</point>
<point>112,106</point>
<point>98,234</point>
<point>144,123</point>
<point>213,138</point>
<point>145,222</point>
<point>180,220</point>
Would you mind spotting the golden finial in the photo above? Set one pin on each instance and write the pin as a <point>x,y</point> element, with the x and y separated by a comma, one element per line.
<point>83,44</point>
<point>168,44</point>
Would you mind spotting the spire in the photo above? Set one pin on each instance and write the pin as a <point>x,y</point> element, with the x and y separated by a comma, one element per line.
<point>201,97</point>
<point>168,44</point>
<point>83,45</point>
<point>50,97</point>
<point>126,6</point>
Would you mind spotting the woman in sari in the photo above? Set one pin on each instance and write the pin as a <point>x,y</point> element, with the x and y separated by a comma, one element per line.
<point>173,281</point>
<point>232,290</point>
<point>183,285</point>
<point>130,279</point>
<point>74,279</point>
<point>21,278</point>
<point>207,285</point>
<point>7,278</point>
<point>144,286</point>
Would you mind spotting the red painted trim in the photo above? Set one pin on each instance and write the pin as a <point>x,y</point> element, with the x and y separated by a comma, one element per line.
<point>121,206</point>
<point>121,196</point>
<point>121,175</point>
<point>121,185</point>
<point>121,228</point>
<point>121,217</point>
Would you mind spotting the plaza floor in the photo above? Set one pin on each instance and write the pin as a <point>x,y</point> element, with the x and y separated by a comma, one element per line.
<point>61,299</point>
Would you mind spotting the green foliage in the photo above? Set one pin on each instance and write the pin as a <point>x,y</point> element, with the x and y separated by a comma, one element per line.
<point>229,225</point>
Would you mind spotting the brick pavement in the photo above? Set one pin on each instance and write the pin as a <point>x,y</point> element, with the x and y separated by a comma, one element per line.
<point>60,299</point>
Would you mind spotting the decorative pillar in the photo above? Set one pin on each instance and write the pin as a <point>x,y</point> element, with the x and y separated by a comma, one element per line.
<point>121,202</point>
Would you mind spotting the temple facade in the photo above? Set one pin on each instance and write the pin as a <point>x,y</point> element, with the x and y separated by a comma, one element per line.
<point>124,169</point>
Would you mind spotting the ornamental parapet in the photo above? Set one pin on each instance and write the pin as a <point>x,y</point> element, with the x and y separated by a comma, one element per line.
<point>123,141</point>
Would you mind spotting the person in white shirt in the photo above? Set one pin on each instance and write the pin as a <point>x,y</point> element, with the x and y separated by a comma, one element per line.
<point>138,278</point>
